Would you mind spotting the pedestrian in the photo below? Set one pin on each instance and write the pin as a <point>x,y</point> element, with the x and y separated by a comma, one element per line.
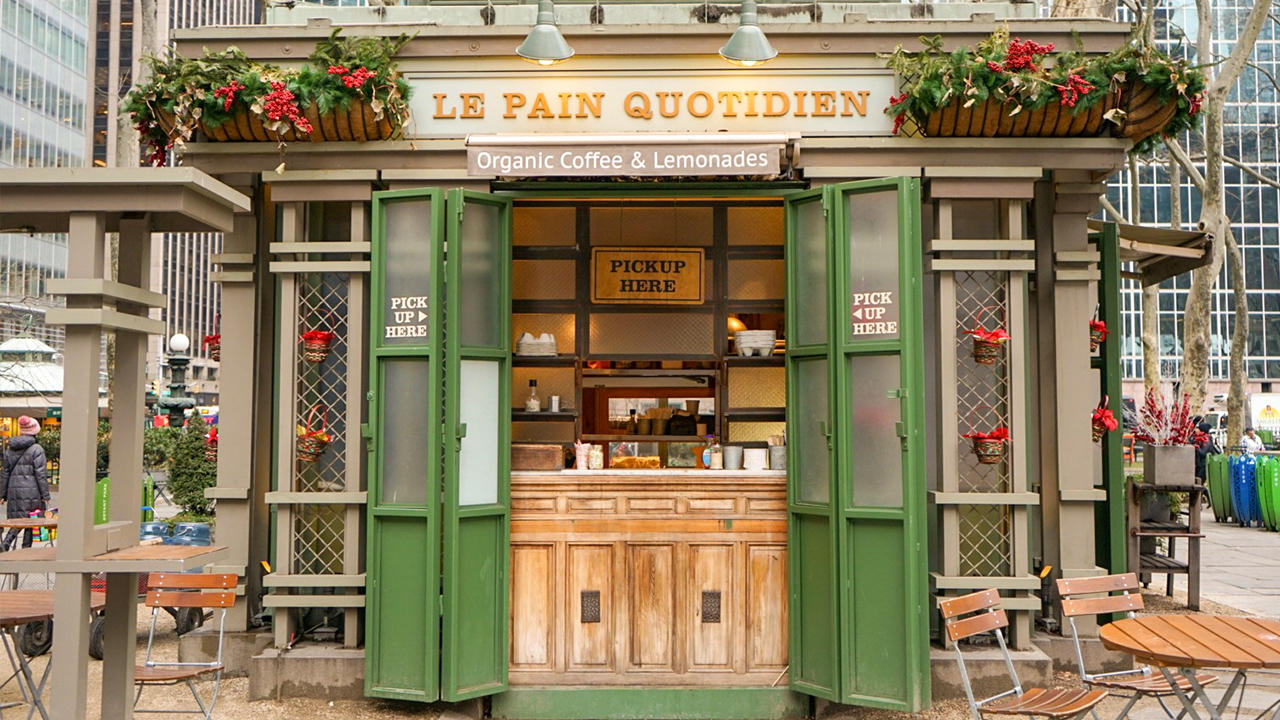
<point>1205,446</point>
<point>1251,442</point>
<point>23,484</point>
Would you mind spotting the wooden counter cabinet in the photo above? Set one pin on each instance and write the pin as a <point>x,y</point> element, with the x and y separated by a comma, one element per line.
<point>648,578</point>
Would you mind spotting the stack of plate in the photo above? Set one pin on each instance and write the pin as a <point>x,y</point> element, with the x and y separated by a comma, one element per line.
<point>755,342</point>
<point>542,346</point>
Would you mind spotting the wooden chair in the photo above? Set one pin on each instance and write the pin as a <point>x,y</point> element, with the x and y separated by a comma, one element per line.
<point>980,612</point>
<point>1128,452</point>
<point>1142,681</point>
<point>175,590</point>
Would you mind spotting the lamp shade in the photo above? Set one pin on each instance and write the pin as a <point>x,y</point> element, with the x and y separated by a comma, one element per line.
<point>179,343</point>
<point>748,45</point>
<point>544,44</point>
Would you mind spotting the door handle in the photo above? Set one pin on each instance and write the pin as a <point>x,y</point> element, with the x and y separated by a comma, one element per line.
<point>462,430</point>
<point>825,432</point>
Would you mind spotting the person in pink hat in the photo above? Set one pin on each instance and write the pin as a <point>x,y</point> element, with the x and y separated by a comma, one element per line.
<point>24,486</point>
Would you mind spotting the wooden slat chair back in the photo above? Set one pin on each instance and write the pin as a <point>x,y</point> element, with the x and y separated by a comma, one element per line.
<point>1094,596</point>
<point>980,612</point>
<point>204,591</point>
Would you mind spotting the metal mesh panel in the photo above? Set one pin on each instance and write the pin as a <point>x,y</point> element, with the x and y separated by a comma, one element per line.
<point>551,381</point>
<point>756,280</point>
<point>322,305</point>
<point>753,225</point>
<point>535,225</point>
<point>562,326</point>
<point>652,225</point>
<point>982,391</point>
<point>652,334</point>
<point>543,280</point>
<point>986,548</point>
<point>318,540</point>
<point>752,387</point>
<point>742,432</point>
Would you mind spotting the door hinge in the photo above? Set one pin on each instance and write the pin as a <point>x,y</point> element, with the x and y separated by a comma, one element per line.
<point>459,211</point>
<point>366,431</point>
<point>440,605</point>
<point>900,428</point>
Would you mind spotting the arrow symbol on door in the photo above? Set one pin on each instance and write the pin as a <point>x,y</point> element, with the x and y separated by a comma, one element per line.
<point>856,313</point>
<point>422,316</point>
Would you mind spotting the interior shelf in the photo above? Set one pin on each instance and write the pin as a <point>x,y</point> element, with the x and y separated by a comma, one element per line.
<point>642,438</point>
<point>544,416</point>
<point>770,361</point>
<point>648,372</point>
<point>543,360</point>
<point>760,413</point>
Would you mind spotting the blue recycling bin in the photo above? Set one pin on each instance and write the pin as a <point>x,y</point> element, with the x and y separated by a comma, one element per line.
<point>154,529</point>
<point>191,533</point>
<point>1244,490</point>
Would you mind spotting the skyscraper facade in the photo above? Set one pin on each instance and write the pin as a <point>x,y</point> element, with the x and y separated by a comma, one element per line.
<point>43,123</point>
<point>1250,138</point>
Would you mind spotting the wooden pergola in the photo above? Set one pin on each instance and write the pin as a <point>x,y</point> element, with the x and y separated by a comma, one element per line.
<point>88,203</point>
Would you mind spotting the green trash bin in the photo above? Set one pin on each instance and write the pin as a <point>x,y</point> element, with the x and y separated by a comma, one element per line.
<point>1217,467</point>
<point>102,500</point>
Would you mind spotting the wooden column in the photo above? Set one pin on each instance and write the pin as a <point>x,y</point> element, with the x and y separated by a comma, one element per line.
<point>238,419</point>
<point>79,463</point>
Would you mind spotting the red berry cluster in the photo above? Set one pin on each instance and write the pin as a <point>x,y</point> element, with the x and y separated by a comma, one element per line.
<point>357,77</point>
<point>228,92</point>
<point>994,66</point>
<point>1075,88</point>
<point>1022,54</point>
<point>1196,101</point>
<point>900,118</point>
<point>338,70</point>
<point>279,105</point>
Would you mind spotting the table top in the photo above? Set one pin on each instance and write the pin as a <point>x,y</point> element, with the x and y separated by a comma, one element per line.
<point>24,523</point>
<point>18,607</point>
<point>1196,641</point>
<point>136,559</point>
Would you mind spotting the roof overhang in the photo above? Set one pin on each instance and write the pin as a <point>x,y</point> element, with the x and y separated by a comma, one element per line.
<point>1160,253</point>
<point>178,199</point>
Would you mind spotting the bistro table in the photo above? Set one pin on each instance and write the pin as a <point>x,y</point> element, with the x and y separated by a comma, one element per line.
<point>17,608</point>
<point>20,524</point>
<point>1183,643</point>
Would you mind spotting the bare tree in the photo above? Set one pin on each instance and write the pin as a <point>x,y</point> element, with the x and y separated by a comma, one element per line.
<point>1213,219</point>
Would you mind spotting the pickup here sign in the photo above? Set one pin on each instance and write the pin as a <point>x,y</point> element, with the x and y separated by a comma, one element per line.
<point>647,276</point>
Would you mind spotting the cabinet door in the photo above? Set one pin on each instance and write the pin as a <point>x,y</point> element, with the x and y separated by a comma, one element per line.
<point>402,643</point>
<point>478,447</point>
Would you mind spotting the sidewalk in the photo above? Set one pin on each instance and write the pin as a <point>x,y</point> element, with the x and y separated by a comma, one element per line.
<point>1239,568</point>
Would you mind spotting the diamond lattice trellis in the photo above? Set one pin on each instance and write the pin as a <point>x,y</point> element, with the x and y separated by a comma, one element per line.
<point>986,549</point>
<point>318,540</point>
<point>982,391</point>
<point>322,305</point>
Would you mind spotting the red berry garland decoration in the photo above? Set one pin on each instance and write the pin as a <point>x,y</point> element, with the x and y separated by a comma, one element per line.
<point>281,106</point>
<point>228,93</point>
<point>1022,55</point>
<point>1075,88</point>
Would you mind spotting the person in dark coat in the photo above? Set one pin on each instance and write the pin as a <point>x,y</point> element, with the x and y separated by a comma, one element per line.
<point>23,484</point>
<point>1205,446</point>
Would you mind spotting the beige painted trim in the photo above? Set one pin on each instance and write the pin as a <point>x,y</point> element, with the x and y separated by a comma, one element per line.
<point>302,601</point>
<point>318,176</point>
<point>1157,249</point>
<point>186,178</point>
<point>433,175</point>
<point>227,493</point>
<point>321,247</point>
<point>983,498</point>
<point>307,266</point>
<point>1080,189</point>
<point>855,172</point>
<point>93,565</point>
<point>232,276</point>
<point>965,582</point>
<point>975,245</point>
<point>1080,256</point>
<point>1009,171</point>
<point>104,318</point>
<point>107,289</point>
<point>1083,495</point>
<point>998,265</point>
<point>283,497</point>
<point>1075,275</point>
<point>236,258</point>
<point>279,580</point>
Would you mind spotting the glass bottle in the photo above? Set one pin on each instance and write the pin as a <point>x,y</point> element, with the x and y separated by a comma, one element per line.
<point>706,452</point>
<point>533,404</point>
<point>717,454</point>
<point>631,424</point>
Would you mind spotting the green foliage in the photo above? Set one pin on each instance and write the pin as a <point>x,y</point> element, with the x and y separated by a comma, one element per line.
<point>50,438</point>
<point>185,516</point>
<point>182,94</point>
<point>157,446</point>
<point>189,472</point>
<point>1023,76</point>
<point>104,446</point>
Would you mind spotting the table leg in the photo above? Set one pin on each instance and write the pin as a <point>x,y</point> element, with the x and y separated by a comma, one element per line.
<point>1188,703</point>
<point>13,661</point>
<point>1236,681</point>
<point>26,677</point>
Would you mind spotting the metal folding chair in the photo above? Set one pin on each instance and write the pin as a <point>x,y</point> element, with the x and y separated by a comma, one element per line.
<point>1142,681</point>
<point>174,590</point>
<point>980,612</point>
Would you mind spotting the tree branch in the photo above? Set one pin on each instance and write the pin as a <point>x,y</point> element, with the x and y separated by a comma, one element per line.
<point>1230,70</point>
<point>1256,175</point>
<point>1262,70</point>
<point>1184,161</point>
<point>1111,210</point>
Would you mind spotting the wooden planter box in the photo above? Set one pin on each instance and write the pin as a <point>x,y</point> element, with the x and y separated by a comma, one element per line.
<point>536,457</point>
<point>356,124</point>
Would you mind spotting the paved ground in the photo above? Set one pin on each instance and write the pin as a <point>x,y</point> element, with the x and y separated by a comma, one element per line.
<point>1239,567</point>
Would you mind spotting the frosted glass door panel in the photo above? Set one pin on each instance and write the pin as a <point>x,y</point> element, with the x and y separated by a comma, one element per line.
<point>876,450</point>
<point>873,266</point>
<point>407,255</point>
<point>810,255</point>
<point>812,423</point>
<point>479,386</point>
<point>406,419</point>
<point>481,275</point>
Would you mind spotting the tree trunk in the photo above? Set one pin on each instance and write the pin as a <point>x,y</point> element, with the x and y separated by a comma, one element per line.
<point>1239,341</point>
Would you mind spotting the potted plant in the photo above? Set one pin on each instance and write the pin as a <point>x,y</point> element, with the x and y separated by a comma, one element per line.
<point>1010,87</point>
<point>1165,425</point>
<point>349,89</point>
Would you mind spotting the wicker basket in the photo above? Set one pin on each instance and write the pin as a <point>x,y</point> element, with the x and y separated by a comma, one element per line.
<point>986,352</point>
<point>312,441</point>
<point>989,451</point>
<point>991,118</point>
<point>355,124</point>
<point>1145,112</point>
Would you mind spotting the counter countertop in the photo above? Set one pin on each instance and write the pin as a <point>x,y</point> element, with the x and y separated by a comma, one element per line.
<point>665,472</point>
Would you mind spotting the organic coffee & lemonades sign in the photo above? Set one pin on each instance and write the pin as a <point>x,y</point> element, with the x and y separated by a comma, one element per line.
<point>808,102</point>
<point>647,276</point>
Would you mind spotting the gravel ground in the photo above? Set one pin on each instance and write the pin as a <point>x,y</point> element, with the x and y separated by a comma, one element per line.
<point>233,699</point>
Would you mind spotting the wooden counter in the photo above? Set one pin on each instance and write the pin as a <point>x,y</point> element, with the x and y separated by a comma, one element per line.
<point>617,577</point>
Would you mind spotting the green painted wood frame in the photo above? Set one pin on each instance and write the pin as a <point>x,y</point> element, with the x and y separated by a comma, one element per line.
<point>857,556</point>
<point>1109,521</point>
<point>402,641</point>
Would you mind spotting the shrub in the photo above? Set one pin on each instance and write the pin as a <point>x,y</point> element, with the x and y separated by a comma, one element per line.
<point>189,472</point>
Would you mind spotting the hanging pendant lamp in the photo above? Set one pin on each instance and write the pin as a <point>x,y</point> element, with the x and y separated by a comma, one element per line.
<point>544,44</point>
<point>748,46</point>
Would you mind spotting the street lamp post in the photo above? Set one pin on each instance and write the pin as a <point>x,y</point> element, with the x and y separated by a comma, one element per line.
<point>177,403</point>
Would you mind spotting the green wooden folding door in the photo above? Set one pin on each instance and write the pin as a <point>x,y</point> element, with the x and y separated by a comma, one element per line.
<point>856,532</point>
<point>439,432</point>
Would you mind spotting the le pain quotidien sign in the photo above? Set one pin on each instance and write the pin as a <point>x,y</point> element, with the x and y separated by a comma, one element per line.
<point>648,276</point>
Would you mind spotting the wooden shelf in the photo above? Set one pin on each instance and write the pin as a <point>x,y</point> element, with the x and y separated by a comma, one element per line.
<point>1161,564</point>
<point>774,360</point>
<point>543,361</point>
<point>1166,529</point>
<point>756,414</point>
<point>643,438</point>
<point>544,416</point>
<point>648,372</point>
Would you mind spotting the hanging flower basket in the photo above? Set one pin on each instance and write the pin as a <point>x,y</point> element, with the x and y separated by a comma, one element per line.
<point>313,440</point>
<point>988,345</point>
<point>214,341</point>
<point>1145,111</point>
<point>989,446</point>
<point>316,344</point>
<point>1103,421</point>
<point>1097,334</point>
<point>211,445</point>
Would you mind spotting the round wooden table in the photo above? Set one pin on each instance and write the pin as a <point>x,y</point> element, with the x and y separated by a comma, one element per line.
<point>1184,643</point>
<point>17,608</point>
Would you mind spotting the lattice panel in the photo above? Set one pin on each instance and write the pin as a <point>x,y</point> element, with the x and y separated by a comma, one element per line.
<point>322,305</point>
<point>986,548</point>
<point>318,539</point>
<point>982,391</point>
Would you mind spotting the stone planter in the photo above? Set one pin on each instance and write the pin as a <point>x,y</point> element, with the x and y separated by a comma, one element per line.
<point>1168,464</point>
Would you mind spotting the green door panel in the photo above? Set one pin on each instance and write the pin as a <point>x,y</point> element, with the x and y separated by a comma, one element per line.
<point>402,634</point>
<point>477,451</point>
<point>856,495</point>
